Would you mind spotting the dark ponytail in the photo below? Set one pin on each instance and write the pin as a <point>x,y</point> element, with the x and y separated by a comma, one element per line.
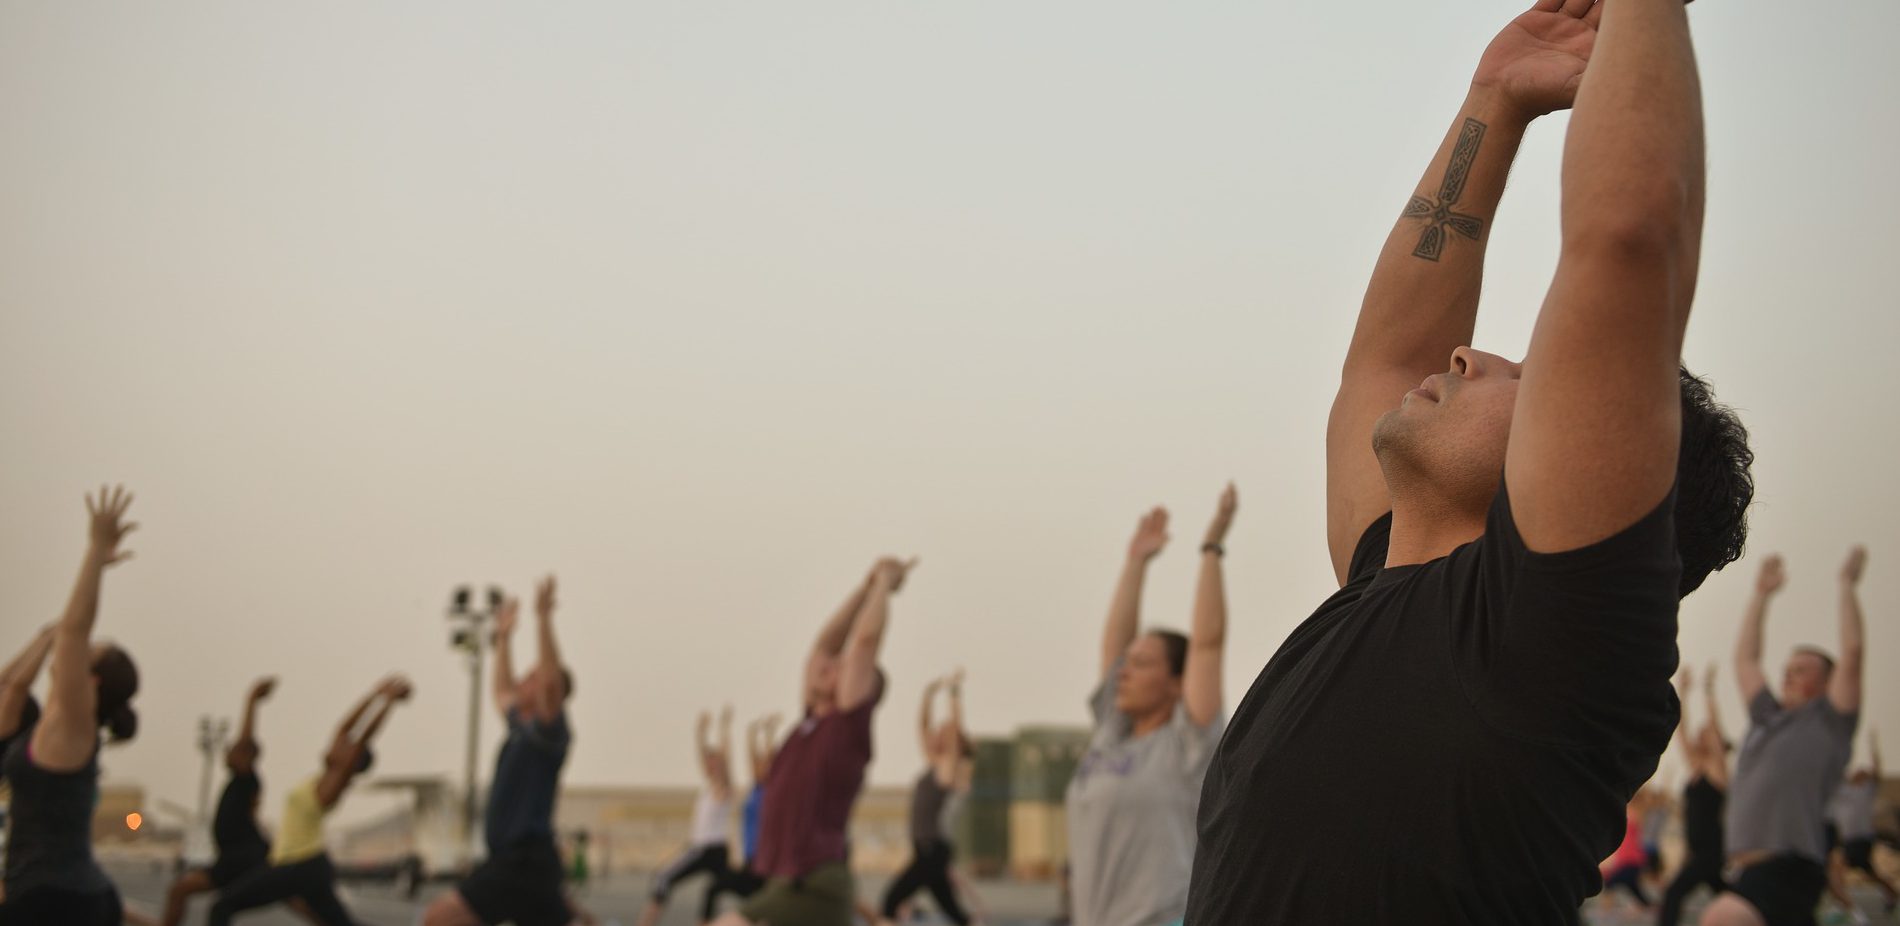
<point>118,682</point>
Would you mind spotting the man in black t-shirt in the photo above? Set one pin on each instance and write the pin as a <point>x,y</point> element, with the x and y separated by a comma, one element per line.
<point>520,882</point>
<point>241,845</point>
<point>1511,540</point>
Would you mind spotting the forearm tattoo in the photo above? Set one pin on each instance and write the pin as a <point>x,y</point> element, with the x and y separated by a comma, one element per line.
<point>1437,213</point>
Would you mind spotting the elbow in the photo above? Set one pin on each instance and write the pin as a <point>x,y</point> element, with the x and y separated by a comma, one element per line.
<point>1650,223</point>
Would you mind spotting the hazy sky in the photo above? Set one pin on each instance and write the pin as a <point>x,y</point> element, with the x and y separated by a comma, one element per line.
<point>705,304</point>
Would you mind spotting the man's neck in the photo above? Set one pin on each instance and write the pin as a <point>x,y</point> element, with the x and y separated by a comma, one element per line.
<point>1427,529</point>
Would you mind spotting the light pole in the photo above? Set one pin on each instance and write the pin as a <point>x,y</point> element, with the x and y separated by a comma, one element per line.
<point>468,634</point>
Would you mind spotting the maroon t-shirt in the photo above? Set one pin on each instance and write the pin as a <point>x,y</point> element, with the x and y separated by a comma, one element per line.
<point>810,789</point>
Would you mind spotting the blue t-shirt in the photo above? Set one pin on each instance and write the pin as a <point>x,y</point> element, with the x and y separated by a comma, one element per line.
<point>749,817</point>
<point>527,776</point>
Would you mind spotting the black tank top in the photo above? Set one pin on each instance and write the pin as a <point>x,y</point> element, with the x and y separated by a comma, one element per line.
<point>926,807</point>
<point>1702,817</point>
<point>49,825</point>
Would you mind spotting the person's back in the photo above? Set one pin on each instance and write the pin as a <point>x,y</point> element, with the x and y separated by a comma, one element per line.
<point>1702,805</point>
<point>527,782</point>
<point>49,826</point>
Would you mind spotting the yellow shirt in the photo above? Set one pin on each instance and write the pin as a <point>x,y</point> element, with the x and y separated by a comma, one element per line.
<point>300,833</point>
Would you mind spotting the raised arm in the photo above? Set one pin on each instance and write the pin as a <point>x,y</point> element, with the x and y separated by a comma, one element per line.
<point>1124,610</point>
<point>1598,420</point>
<point>836,631</point>
<point>16,680</point>
<point>1873,745</point>
<point>69,724</point>
<point>949,753</point>
<point>1201,680</point>
<point>505,684</point>
<point>1715,712</point>
<point>548,666</point>
<point>355,735</point>
<point>1685,683</point>
<point>926,728</point>
<point>1422,301</point>
<point>1844,688</point>
<point>857,673</point>
<point>241,758</point>
<point>1748,672</point>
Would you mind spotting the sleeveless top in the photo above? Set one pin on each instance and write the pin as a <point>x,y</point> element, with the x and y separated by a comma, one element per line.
<point>927,801</point>
<point>49,825</point>
<point>300,832</point>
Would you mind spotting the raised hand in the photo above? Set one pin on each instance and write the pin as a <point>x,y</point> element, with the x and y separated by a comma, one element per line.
<point>544,598</point>
<point>507,617</point>
<point>1151,534</point>
<point>107,524</point>
<point>262,688</point>
<point>1223,515</point>
<point>1855,565</point>
<point>893,571</point>
<point>1772,576</point>
<point>956,679</point>
<point>1536,64</point>
<point>396,688</point>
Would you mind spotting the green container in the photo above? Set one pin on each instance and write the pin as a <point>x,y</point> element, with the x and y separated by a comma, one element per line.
<point>1043,762</point>
<point>982,834</point>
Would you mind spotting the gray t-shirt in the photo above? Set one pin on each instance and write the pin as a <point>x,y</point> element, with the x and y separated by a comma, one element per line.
<point>1791,763</point>
<point>1132,805</point>
<point>1852,810</point>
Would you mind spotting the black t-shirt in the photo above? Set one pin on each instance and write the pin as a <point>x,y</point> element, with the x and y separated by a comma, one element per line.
<point>1448,742</point>
<point>527,775</point>
<point>234,827</point>
<point>1702,817</point>
<point>29,718</point>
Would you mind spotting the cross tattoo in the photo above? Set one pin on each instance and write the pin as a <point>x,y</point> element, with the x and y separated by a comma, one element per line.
<point>1438,213</point>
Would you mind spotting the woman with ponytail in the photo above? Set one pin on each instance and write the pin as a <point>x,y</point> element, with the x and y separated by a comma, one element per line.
<point>53,767</point>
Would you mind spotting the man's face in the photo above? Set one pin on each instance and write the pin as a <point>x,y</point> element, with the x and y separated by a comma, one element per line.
<point>1804,679</point>
<point>1452,430</point>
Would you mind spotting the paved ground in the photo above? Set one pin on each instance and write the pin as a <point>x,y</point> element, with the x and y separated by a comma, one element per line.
<point>619,901</point>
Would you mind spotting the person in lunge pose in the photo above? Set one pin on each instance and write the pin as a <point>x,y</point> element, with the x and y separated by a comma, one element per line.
<point>1707,754</point>
<point>1511,540</point>
<point>1157,713</point>
<point>520,881</point>
<point>949,760</point>
<point>51,758</point>
<point>1792,759</point>
<point>708,850</point>
<point>300,865</point>
<point>819,770</point>
<point>1852,814</point>
<point>761,742</point>
<point>241,846</point>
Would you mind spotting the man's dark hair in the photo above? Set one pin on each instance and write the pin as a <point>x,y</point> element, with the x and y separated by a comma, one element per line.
<point>1713,484</point>
<point>1176,644</point>
<point>1827,662</point>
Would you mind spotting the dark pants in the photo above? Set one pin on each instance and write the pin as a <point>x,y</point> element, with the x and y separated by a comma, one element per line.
<point>1626,877</point>
<point>710,860</point>
<point>930,869</point>
<point>1701,869</point>
<point>68,908</point>
<point>741,882</point>
<point>312,880</point>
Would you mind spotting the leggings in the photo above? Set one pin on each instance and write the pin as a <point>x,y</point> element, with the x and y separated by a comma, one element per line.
<point>741,882</point>
<point>1699,870</point>
<point>67,908</point>
<point>312,880</point>
<point>1625,877</point>
<point>707,859</point>
<point>930,869</point>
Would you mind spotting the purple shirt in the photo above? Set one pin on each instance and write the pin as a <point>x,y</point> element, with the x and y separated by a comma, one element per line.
<point>810,789</point>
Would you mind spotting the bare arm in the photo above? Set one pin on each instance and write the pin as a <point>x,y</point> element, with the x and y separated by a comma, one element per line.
<point>1201,680</point>
<point>16,680</point>
<point>837,630</point>
<point>242,754</point>
<point>377,706</point>
<point>857,674</point>
<point>1422,301</point>
<point>1598,421</point>
<point>1748,673</point>
<point>1844,689</point>
<point>925,728</point>
<point>1124,610</point>
<point>69,726</point>
<point>505,684</point>
<point>548,663</point>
